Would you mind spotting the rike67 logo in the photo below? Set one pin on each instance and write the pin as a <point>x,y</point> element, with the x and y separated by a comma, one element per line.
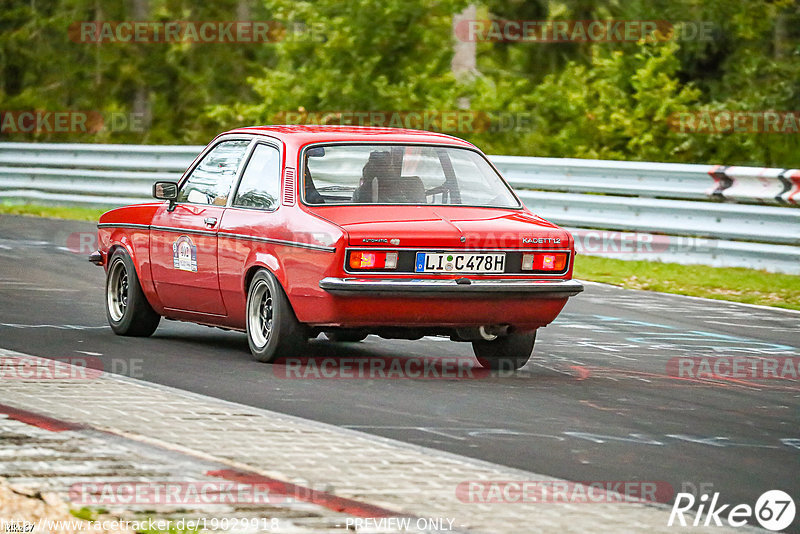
<point>774,510</point>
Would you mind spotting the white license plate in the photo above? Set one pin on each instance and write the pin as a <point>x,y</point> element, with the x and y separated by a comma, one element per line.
<point>459,262</point>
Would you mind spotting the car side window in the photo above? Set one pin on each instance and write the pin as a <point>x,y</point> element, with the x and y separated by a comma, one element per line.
<point>260,186</point>
<point>211,181</point>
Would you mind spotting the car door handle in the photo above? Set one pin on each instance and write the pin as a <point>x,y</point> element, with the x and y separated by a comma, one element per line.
<point>211,221</point>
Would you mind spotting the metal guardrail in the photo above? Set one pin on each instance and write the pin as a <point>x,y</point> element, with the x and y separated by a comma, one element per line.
<point>665,180</point>
<point>628,210</point>
<point>88,175</point>
<point>672,180</point>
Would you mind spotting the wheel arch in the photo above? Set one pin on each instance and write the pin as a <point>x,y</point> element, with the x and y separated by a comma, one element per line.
<point>122,242</point>
<point>117,245</point>
<point>266,261</point>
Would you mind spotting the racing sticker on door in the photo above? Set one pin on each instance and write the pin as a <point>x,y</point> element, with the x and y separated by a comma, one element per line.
<point>184,254</point>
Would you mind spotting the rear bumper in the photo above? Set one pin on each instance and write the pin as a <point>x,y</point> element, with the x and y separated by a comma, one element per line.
<point>462,287</point>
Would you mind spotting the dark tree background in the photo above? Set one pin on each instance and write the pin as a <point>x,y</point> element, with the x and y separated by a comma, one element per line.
<point>605,100</point>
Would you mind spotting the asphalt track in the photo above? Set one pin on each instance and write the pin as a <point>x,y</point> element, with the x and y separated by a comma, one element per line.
<point>595,403</point>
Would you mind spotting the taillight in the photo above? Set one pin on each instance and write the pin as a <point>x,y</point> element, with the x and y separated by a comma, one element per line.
<point>544,261</point>
<point>364,259</point>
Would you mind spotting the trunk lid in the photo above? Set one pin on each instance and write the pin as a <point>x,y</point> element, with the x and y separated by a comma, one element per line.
<point>445,227</point>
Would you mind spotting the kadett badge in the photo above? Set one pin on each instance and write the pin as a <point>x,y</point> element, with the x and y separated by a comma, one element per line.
<point>184,254</point>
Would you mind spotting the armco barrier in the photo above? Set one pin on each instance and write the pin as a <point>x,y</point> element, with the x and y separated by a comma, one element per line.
<point>755,184</point>
<point>710,214</point>
<point>89,175</point>
<point>674,217</point>
<point>668,180</point>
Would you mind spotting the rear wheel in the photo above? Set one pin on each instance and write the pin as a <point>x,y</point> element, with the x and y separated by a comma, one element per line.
<point>507,353</point>
<point>272,328</point>
<point>346,336</point>
<point>127,309</point>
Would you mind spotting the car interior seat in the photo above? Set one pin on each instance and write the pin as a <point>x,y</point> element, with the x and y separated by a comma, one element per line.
<point>312,195</point>
<point>381,183</point>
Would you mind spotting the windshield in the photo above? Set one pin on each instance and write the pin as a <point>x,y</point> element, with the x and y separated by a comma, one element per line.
<point>402,174</point>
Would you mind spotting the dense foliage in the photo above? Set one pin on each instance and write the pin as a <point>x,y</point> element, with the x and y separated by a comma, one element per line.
<point>582,99</point>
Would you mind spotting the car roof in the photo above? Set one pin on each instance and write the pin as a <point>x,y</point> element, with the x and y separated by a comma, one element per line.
<point>305,134</point>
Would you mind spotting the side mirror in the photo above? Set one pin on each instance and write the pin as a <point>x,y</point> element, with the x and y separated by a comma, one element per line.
<point>166,191</point>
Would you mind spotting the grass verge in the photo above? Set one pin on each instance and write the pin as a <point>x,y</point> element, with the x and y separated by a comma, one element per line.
<point>53,212</point>
<point>721,283</point>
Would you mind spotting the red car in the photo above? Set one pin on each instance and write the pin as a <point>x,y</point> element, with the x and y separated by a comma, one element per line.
<point>289,231</point>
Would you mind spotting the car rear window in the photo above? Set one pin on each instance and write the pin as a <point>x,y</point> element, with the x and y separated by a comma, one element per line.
<point>402,174</point>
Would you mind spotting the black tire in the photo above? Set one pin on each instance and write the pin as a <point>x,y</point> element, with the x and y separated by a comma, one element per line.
<point>345,336</point>
<point>127,309</point>
<point>506,353</point>
<point>273,330</point>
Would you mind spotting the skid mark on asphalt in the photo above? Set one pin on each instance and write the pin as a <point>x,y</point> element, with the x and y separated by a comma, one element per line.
<point>601,408</point>
<point>601,438</point>
<point>680,338</point>
<point>667,439</point>
<point>15,284</point>
<point>608,338</point>
<point>583,372</point>
<point>638,336</point>
<point>10,243</point>
<point>771,328</point>
<point>709,441</point>
<point>489,433</point>
<point>696,311</point>
<point>45,289</point>
<point>460,433</point>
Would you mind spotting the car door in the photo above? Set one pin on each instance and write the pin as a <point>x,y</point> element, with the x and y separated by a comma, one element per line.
<point>183,240</point>
<point>250,221</point>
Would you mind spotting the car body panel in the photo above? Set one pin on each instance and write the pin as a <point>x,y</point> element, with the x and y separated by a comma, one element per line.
<point>443,226</point>
<point>293,245</point>
<point>196,289</point>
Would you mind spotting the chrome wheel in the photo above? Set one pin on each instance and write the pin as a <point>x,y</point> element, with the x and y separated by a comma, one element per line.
<point>127,309</point>
<point>260,314</point>
<point>117,290</point>
<point>273,330</point>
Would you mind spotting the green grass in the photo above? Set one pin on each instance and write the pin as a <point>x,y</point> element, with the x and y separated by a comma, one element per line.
<point>736,284</point>
<point>87,514</point>
<point>722,283</point>
<point>53,212</point>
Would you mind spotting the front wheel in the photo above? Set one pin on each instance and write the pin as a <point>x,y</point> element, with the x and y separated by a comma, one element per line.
<point>509,352</point>
<point>272,328</point>
<point>127,309</point>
